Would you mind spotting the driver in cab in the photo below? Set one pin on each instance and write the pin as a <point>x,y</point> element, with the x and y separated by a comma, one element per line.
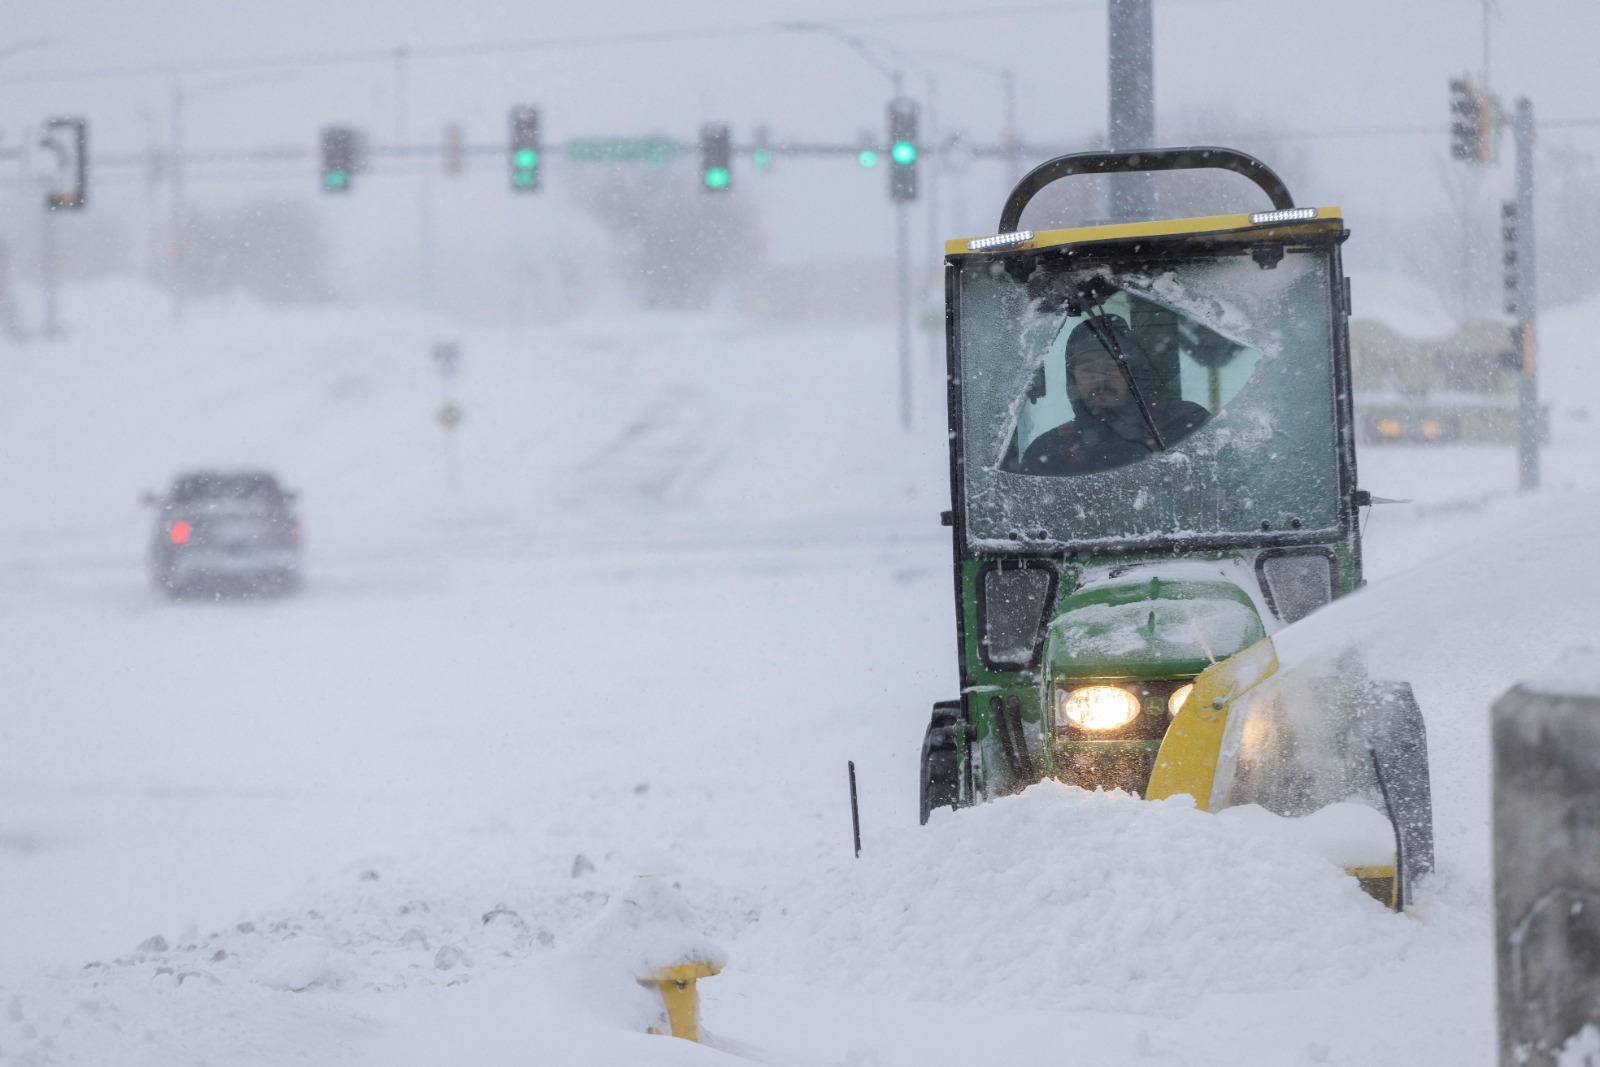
<point>1120,415</point>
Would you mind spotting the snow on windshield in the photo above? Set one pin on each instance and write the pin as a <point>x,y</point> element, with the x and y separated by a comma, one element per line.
<point>1218,420</point>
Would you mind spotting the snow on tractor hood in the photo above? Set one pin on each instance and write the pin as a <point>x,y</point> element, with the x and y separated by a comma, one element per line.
<point>1156,621</point>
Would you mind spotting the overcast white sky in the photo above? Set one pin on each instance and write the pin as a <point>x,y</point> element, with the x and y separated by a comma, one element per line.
<point>1309,62</point>
<point>1295,65</point>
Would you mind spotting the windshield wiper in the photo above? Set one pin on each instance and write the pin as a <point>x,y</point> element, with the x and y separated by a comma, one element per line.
<point>1107,338</point>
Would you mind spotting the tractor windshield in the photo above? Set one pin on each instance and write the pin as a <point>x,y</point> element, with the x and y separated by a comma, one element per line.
<point>1187,399</point>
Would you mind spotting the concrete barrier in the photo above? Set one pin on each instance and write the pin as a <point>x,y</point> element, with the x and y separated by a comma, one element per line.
<point>1547,864</point>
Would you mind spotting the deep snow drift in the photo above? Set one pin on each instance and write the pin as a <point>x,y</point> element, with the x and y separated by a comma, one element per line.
<point>689,567</point>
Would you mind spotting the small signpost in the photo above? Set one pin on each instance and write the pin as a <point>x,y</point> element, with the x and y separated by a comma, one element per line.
<point>447,358</point>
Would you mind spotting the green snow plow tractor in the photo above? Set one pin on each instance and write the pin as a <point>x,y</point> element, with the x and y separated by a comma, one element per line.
<point>1153,471</point>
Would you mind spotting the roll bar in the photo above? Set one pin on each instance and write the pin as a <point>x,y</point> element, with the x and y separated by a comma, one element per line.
<point>1199,157</point>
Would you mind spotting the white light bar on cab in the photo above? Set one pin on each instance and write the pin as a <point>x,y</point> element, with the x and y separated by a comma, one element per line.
<point>1294,214</point>
<point>999,240</point>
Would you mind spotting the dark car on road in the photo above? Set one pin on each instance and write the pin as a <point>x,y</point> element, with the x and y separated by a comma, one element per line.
<point>225,533</point>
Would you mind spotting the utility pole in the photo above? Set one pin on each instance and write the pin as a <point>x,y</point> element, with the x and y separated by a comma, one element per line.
<point>176,251</point>
<point>902,196</point>
<point>902,224</point>
<point>67,140</point>
<point>1009,136</point>
<point>178,224</point>
<point>1133,107</point>
<point>402,131</point>
<point>1526,304</point>
<point>51,328</point>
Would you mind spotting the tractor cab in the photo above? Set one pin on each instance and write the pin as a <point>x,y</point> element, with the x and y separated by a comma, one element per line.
<point>1152,471</point>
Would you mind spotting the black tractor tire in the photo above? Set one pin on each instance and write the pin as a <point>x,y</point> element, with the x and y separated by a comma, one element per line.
<point>941,761</point>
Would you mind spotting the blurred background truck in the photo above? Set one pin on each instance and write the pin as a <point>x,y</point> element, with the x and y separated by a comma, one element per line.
<point>1457,389</point>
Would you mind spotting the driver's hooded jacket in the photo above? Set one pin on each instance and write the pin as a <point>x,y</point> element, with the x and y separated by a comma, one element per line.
<point>1097,441</point>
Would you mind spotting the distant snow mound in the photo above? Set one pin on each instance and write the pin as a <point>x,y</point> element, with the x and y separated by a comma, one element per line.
<point>1576,673</point>
<point>1067,899</point>
<point>658,459</point>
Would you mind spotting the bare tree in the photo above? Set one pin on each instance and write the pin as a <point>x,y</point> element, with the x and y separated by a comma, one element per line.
<point>676,244</point>
<point>1567,218</point>
<point>271,249</point>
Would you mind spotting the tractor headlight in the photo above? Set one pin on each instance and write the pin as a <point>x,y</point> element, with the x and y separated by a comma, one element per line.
<point>1096,707</point>
<point>1179,695</point>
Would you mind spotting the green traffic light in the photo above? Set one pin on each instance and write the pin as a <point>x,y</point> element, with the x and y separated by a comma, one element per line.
<point>717,178</point>
<point>762,158</point>
<point>867,158</point>
<point>522,179</point>
<point>525,159</point>
<point>335,179</point>
<point>903,153</point>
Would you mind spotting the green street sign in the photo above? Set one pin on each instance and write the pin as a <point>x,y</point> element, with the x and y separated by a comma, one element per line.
<point>656,151</point>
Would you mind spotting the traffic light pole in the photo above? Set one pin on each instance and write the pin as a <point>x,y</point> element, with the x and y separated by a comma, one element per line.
<point>1527,306</point>
<point>902,238</point>
<point>51,327</point>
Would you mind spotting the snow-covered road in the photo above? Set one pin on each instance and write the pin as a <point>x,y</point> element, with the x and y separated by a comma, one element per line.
<point>691,568</point>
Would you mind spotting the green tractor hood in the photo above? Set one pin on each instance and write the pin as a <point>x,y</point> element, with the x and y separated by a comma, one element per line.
<point>1149,629</point>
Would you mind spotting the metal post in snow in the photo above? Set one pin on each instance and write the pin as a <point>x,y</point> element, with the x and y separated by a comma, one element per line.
<point>855,811</point>
<point>1527,305</point>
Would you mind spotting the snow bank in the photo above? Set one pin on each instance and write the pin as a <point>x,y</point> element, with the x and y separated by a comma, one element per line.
<point>1576,673</point>
<point>167,764</point>
<point>1067,899</point>
<point>647,927</point>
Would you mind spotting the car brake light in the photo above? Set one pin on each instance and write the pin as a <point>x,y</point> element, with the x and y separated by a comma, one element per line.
<point>179,532</point>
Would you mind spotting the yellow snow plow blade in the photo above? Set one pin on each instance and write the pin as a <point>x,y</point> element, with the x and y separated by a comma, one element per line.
<point>1187,759</point>
<point>1193,749</point>
<point>1379,883</point>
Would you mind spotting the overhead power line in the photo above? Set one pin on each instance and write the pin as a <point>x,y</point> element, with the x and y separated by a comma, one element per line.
<point>592,40</point>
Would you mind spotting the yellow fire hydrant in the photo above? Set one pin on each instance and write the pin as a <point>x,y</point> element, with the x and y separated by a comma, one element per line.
<point>680,997</point>
<point>652,935</point>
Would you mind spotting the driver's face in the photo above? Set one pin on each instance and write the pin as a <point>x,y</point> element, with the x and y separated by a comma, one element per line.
<point>1100,382</point>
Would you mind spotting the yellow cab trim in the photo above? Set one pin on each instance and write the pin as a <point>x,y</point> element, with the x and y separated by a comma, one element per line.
<point>1123,231</point>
